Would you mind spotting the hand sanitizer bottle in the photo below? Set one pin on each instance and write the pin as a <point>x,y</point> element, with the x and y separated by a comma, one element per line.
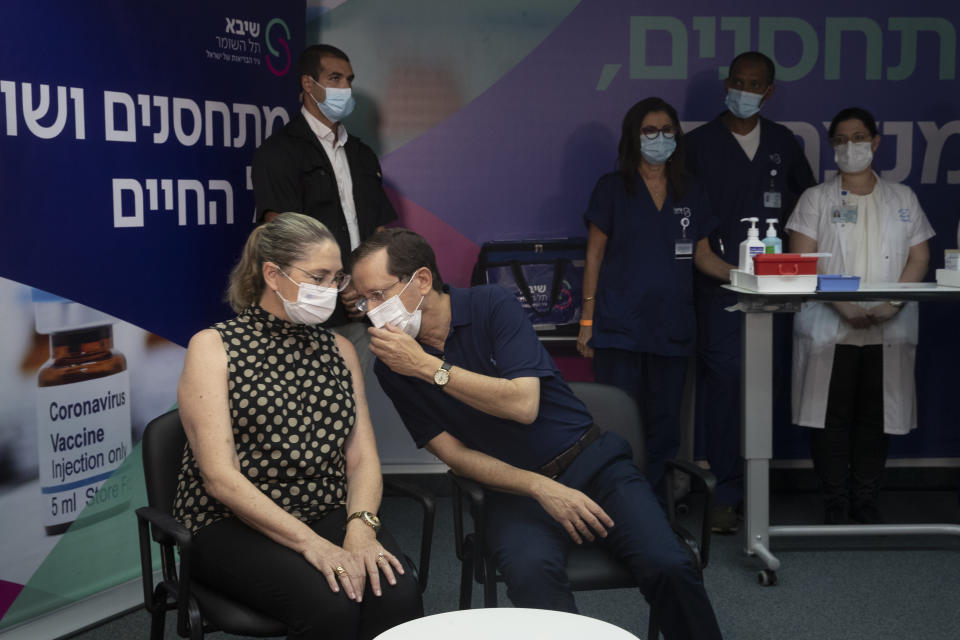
<point>772,243</point>
<point>751,246</point>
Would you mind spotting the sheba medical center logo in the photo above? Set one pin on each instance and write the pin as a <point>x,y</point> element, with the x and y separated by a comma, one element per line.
<point>275,28</point>
<point>243,42</point>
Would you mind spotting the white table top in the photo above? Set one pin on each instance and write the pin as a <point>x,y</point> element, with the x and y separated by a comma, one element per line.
<point>505,623</point>
<point>875,291</point>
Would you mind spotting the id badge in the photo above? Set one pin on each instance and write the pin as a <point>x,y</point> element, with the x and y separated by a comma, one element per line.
<point>844,215</point>
<point>772,199</point>
<point>683,249</point>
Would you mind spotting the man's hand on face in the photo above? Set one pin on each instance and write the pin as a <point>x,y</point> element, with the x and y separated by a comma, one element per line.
<point>400,352</point>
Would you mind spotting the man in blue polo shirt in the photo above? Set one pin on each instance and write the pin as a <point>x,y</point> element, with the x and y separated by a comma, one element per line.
<point>749,166</point>
<point>473,385</point>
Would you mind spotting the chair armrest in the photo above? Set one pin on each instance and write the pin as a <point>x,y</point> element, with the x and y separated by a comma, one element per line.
<point>708,482</point>
<point>473,492</point>
<point>168,533</point>
<point>471,488</point>
<point>395,487</point>
<point>690,541</point>
<point>166,525</point>
<point>146,559</point>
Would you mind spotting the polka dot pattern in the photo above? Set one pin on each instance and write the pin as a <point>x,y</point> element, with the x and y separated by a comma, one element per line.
<point>292,408</point>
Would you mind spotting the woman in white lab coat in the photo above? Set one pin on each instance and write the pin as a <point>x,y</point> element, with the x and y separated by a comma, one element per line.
<point>853,363</point>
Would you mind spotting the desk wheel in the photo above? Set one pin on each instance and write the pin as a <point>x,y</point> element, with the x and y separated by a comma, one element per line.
<point>767,577</point>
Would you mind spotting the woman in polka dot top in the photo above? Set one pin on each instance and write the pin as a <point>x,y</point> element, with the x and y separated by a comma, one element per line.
<point>281,480</point>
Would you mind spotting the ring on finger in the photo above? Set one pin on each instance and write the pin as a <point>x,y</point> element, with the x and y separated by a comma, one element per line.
<point>340,570</point>
<point>381,557</point>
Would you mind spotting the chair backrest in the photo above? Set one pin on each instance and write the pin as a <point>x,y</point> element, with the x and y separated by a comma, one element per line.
<point>613,409</point>
<point>162,448</point>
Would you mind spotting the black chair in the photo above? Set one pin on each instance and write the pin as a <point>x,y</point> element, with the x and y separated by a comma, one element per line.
<point>199,608</point>
<point>589,567</point>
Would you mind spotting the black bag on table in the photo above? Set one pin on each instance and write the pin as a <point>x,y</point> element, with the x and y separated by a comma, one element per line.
<point>546,276</point>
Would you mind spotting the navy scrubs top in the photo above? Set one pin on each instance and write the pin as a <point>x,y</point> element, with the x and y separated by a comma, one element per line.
<point>490,334</point>
<point>736,184</point>
<point>645,290</point>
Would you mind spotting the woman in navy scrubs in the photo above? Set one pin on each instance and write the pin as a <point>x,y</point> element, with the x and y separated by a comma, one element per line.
<point>648,223</point>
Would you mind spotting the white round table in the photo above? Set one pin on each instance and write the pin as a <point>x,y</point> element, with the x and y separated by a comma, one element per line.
<point>505,624</point>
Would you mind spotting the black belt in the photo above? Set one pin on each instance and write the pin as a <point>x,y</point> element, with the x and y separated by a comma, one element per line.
<point>559,464</point>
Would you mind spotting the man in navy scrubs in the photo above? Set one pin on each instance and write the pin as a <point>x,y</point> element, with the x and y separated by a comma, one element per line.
<point>749,166</point>
<point>473,384</point>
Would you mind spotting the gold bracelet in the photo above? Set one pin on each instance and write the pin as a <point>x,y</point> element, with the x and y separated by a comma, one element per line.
<point>590,298</point>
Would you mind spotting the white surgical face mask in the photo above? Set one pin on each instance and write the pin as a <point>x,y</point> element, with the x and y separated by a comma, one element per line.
<point>392,311</point>
<point>853,157</point>
<point>337,104</point>
<point>314,304</point>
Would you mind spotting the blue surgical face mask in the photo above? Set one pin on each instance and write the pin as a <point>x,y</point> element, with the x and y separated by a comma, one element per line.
<point>743,104</point>
<point>657,150</point>
<point>338,103</point>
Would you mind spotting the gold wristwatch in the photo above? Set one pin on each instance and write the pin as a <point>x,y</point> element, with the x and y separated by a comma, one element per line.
<point>442,375</point>
<point>370,519</point>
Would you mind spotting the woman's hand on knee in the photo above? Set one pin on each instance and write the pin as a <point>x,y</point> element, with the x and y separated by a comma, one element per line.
<point>375,559</point>
<point>341,568</point>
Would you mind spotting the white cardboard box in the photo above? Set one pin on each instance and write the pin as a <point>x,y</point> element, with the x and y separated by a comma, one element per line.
<point>773,284</point>
<point>948,278</point>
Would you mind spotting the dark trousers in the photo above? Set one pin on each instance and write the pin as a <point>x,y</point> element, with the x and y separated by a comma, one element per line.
<point>530,548</point>
<point>717,416</point>
<point>850,452</point>
<point>276,580</point>
<point>656,383</point>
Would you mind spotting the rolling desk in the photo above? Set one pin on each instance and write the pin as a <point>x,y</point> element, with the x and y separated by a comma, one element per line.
<point>756,431</point>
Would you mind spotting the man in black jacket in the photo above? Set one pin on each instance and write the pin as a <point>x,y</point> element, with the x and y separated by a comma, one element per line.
<point>312,166</point>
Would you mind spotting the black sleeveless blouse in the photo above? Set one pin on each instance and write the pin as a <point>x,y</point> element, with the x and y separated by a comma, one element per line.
<point>292,408</point>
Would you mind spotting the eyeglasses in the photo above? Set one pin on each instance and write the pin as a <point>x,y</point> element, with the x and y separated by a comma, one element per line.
<point>839,141</point>
<point>338,280</point>
<point>377,296</point>
<point>651,132</point>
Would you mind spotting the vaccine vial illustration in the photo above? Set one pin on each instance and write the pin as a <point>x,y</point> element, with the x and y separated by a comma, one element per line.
<point>83,412</point>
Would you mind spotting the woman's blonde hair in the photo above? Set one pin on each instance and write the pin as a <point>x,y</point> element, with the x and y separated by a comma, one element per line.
<point>282,241</point>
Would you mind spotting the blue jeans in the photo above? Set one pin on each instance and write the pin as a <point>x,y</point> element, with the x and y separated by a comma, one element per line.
<point>530,548</point>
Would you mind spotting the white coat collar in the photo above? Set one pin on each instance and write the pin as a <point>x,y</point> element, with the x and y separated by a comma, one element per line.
<point>836,186</point>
